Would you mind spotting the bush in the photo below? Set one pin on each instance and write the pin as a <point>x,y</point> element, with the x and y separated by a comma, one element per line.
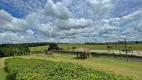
<point>53,46</point>
<point>35,69</point>
<point>10,50</point>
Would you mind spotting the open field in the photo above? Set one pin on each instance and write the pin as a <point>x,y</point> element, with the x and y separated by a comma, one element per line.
<point>89,46</point>
<point>104,64</point>
<point>37,69</point>
<point>137,48</point>
<point>2,72</point>
<point>98,47</point>
<point>39,48</point>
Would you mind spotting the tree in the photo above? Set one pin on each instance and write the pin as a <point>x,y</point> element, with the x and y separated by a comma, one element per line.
<point>73,47</point>
<point>53,46</point>
<point>108,47</point>
<point>137,42</point>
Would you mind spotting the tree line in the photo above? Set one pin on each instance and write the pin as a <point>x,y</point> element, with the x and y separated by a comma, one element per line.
<point>13,49</point>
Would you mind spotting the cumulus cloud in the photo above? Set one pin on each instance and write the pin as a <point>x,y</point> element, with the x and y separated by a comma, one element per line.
<point>12,37</point>
<point>56,10</point>
<point>100,7</point>
<point>9,23</point>
<point>133,21</point>
<point>133,16</point>
<point>4,17</point>
<point>30,32</point>
<point>48,30</point>
<point>73,23</point>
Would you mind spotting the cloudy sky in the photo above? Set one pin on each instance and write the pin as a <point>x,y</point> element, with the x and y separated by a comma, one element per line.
<point>74,21</point>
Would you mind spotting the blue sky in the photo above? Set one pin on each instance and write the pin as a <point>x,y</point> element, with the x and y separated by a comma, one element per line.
<point>74,21</point>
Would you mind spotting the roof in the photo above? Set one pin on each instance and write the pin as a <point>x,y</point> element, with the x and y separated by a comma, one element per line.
<point>82,50</point>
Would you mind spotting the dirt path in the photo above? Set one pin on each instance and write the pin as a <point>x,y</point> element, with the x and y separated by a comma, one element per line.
<point>2,72</point>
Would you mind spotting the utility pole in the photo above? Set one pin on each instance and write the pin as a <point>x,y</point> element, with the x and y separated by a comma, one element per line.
<point>126,50</point>
<point>119,46</point>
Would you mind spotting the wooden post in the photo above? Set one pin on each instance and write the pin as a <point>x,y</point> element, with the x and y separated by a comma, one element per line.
<point>88,54</point>
<point>119,47</point>
<point>84,54</point>
<point>126,50</point>
<point>77,54</point>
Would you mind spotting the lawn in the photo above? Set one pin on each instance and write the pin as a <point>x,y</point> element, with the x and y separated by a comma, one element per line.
<point>99,47</point>
<point>104,64</point>
<point>2,72</point>
<point>89,46</point>
<point>39,48</point>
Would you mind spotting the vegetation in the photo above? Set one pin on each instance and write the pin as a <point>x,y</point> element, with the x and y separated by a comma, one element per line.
<point>53,46</point>
<point>38,48</point>
<point>130,68</point>
<point>11,50</point>
<point>89,46</point>
<point>2,74</point>
<point>29,44</point>
<point>102,46</point>
<point>19,68</point>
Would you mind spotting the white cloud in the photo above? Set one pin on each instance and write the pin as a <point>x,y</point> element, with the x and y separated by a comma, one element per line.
<point>48,30</point>
<point>30,32</point>
<point>73,23</point>
<point>9,23</point>
<point>12,37</point>
<point>56,10</point>
<point>100,7</point>
<point>4,17</point>
<point>132,17</point>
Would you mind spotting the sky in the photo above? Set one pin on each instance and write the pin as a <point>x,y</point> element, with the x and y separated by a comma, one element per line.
<point>70,21</point>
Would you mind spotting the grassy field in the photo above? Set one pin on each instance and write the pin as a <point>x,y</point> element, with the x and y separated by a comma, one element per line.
<point>94,47</point>
<point>104,64</point>
<point>98,47</point>
<point>2,72</point>
<point>39,48</point>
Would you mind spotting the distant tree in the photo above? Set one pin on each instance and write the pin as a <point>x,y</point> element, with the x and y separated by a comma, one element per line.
<point>1,53</point>
<point>13,49</point>
<point>130,47</point>
<point>137,42</point>
<point>53,46</point>
<point>68,48</point>
<point>108,47</point>
<point>73,47</point>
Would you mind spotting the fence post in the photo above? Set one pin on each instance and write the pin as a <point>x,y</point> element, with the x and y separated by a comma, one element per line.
<point>77,54</point>
<point>126,50</point>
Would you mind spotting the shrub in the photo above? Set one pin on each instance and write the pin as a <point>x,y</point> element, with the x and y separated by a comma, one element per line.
<point>53,46</point>
<point>10,50</point>
<point>35,69</point>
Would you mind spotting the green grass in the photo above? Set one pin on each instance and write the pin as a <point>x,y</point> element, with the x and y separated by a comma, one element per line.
<point>45,69</point>
<point>89,46</point>
<point>104,64</point>
<point>2,72</point>
<point>39,48</point>
<point>99,47</point>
